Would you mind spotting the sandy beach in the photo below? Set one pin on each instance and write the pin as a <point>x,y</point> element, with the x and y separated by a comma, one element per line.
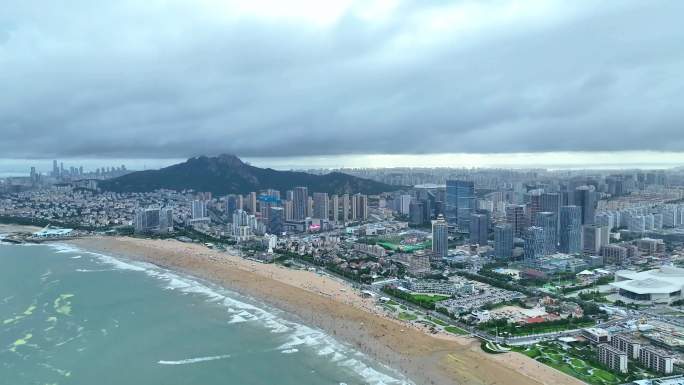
<point>10,228</point>
<point>330,304</point>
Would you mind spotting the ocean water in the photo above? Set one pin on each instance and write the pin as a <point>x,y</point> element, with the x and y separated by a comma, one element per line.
<point>68,316</point>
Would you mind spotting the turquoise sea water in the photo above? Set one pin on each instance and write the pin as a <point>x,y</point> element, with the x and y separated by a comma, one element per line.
<point>72,317</point>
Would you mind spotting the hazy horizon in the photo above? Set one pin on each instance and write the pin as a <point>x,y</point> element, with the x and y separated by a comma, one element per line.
<point>550,161</point>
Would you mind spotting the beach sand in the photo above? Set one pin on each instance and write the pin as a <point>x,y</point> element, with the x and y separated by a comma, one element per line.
<point>332,305</point>
<point>9,228</point>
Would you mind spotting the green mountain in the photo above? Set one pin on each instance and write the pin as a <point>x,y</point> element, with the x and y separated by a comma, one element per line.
<point>227,174</point>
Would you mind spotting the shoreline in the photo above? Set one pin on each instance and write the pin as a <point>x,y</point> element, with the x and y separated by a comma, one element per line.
<point>333,306</point>
<point>13,228</point>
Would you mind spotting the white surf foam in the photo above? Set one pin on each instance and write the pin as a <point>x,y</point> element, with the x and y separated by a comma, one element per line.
<point>194,360</point>
<point>297,335</point>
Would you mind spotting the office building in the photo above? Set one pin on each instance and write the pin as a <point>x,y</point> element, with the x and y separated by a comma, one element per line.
<point>276,218</point>
<point>587,199</point>
<point>548,221</point>
<point>479,229</point>
<point>460,203</point>
<point>570,229</point>
<point>416,213</point>
<point>593,237</point>
<point>515,215</point>
<point>503,241</point>
<point>534,245</point>
<point>440,245</point>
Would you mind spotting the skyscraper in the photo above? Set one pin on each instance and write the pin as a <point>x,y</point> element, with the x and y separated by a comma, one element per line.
<point>360,207</point>
<point>587,199</point>
<point>515,215</point>
<point>548,222</point>
<point>276,218</point>
<point>199,209</point>
<point>300,203</point>
<point>460,203</point>
<point>404,204</point>
<point>335,208</point>
<point>345,208</point>
<point>479,229</point>
<point>570,229</point>
<point>593,237</point>
<point>321,209</point>
<point>551,202</point>
<point>503,241</point>
<point>416,213</point>
<point>440,245</point>
<point>534,244</point>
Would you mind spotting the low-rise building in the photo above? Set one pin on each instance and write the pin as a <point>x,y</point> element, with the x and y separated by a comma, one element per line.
<point>663,285</point>
<point>596,335</point>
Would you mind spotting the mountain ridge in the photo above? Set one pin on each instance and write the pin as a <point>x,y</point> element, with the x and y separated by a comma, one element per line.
<point>228,174</point>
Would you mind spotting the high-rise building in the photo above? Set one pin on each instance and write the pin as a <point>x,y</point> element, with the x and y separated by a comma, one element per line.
<point>612,358</point>
<point>300,203</point>
<point>656,359</point>
<point>321,208</point>
<point>252,203</point>
<point>570,229</point>
<point>515,215</point>
<point>335,208</point>
<point>440,237</point>
<point>534,203</point>
<point>404,204</point>
<point>154,220</point>
<point>360,207</point>
<point>416,213</point>
<point>479,229</point>
<point>346,209</point>
<point>586,198</point>
<point>276,218</point>
<point>289,210</point>
<point>534,244</point>
<point>460,203</point>
<point>503,241</point>
<point>199,209</point>
<point>551,202</point>
<point>548,221</point>
<point>593,237</point>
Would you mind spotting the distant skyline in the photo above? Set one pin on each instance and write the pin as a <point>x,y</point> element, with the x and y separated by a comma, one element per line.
<point>565,160</point>
<point>171,79</point>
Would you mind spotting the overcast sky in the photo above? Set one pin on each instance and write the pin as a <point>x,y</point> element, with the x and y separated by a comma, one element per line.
<point>172,79</point>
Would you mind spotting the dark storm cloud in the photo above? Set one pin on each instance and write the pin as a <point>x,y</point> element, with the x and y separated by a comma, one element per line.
<point>178,78</point>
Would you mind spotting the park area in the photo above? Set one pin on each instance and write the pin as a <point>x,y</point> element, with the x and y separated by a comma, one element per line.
<point>577,360</point>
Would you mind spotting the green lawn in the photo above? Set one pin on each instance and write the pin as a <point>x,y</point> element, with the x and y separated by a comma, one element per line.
<point>577,361</point>
<point>437,321</point>
<point>407,316</point>
<point>456,330</point>
<point>429,298</point>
